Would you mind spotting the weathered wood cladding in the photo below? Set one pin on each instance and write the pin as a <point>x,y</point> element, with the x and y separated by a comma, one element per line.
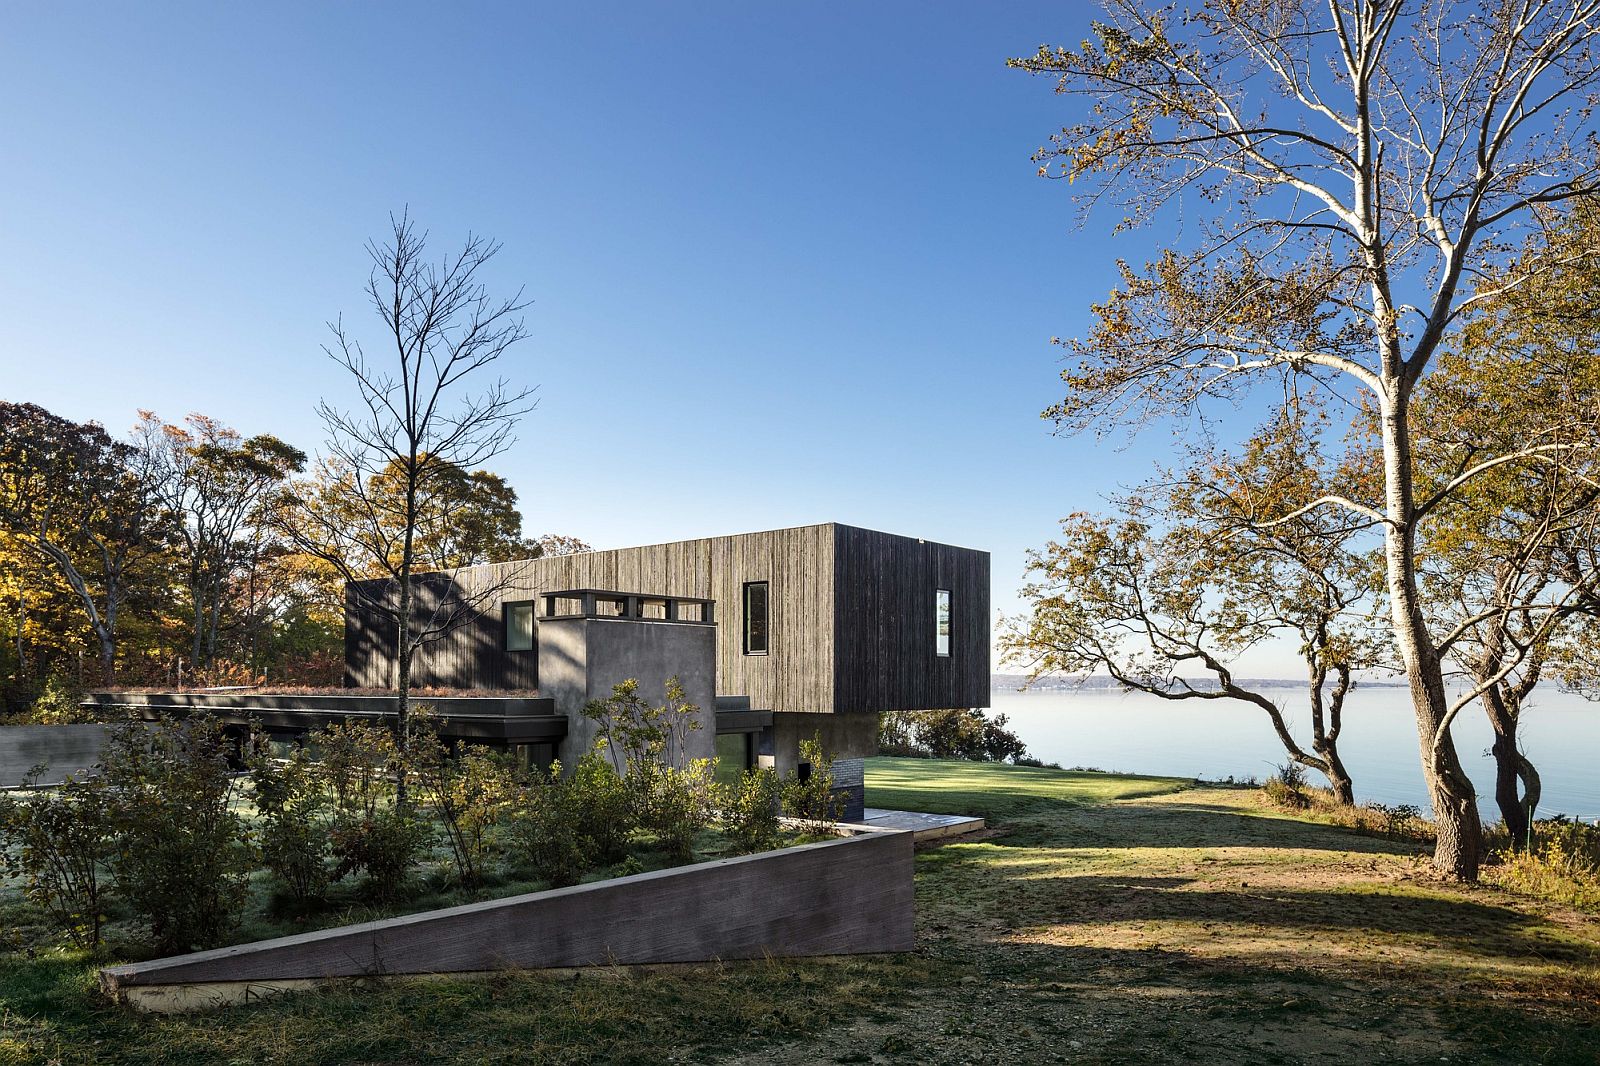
<point>884,645</point>
<point>797,563</point>
<point>851,615</point>
<point>470,655</point>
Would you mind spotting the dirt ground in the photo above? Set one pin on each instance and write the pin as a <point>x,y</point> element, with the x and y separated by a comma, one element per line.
<point>1199,927</point>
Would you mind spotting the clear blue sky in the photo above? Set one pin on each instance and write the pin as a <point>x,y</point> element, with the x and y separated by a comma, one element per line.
<point>788,263</point>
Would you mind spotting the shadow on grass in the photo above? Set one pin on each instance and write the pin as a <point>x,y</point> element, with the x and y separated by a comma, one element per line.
<point>1467,927</point>
<point>1146,1005</point>
<point>1046,823</point>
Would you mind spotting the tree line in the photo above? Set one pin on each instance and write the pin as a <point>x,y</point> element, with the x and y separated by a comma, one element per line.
<point>1387,242</point>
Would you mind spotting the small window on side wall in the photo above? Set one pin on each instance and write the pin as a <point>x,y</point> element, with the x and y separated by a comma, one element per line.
<point>755,618</point>
<point>519,626</point>
<point>941,622</point>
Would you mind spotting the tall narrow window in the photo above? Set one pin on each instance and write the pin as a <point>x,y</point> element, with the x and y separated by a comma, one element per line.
<point>519,626</point>
<point>755,618</point>
<point>941,622</point>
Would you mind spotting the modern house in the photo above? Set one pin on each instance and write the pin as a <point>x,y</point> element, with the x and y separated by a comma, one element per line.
<point>778,636</point>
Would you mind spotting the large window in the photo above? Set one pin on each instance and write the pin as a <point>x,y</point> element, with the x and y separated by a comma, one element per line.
<point>755,618</point>
<point>941,622</point>
<point>519,626</point>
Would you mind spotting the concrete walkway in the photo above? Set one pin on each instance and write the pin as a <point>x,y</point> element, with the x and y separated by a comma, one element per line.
<point>922,826</point>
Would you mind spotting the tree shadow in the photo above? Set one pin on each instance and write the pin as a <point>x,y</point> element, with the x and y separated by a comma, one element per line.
<point>1152,1004</point>
<point>1185,825</point>
<point>1466,926</point>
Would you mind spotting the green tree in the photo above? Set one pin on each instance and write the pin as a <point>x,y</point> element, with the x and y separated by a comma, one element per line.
<point>1363,171</point>
<point>1182,579</point>
<point>87,505</point>
<point>219,486</point>
<point>1506,559</point>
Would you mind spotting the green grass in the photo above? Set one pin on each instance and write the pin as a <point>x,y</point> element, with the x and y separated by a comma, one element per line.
<point>941,786</point>
<point>1100,919</point>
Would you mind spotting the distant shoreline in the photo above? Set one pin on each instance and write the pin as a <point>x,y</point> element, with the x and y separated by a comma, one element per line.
<point>1059,683</point>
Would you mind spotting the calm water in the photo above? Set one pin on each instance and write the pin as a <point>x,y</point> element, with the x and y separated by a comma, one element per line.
<point>1142,734</point>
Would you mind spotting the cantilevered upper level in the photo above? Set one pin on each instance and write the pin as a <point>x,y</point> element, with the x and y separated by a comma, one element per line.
<point>817,619</point>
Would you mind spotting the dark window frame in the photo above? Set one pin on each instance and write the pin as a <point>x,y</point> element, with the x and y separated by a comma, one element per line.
<point>943,599</point>
<point>505,626</point>
<point>766,617</point>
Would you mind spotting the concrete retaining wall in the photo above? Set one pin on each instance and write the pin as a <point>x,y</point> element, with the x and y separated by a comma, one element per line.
<point>840,897</point>
<point>66,749</point>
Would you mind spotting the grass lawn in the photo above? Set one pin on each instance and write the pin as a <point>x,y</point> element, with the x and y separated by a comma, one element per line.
<point>1100,919</point>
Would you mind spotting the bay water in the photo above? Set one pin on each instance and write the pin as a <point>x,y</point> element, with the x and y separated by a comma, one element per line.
<point>1213,739</point>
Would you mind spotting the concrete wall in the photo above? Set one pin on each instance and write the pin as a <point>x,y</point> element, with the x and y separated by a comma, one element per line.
<point>67,749</point>
<point>853,895</point>
<point>488,720</point>
<point>844,736</point>
<point>333,703</point>
<point>581,659</point>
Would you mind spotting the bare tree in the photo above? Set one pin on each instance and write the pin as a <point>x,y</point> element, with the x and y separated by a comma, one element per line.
<point>1364,169</point>
<point>389,458</point>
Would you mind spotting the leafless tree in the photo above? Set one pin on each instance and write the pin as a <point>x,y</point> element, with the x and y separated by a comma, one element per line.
<point>415,423</point>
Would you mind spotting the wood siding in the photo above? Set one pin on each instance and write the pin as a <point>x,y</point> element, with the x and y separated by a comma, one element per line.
<point>797,673</point>
<point>851,615</point>
<point>884,638</point>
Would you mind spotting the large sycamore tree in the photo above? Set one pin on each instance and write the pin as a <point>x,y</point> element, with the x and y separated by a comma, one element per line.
<point>1353,177</point>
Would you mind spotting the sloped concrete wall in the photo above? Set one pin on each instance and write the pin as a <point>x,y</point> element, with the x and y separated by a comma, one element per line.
<point>848,896</point>
<point>65,749</point>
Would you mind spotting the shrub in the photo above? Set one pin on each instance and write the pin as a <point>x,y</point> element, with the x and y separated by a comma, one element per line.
<point>225,673</point>
<point>1562,862</point>
<point>1287,787</point>
<point>682,807</point>
<point>669,795</point>
<point>60,702</point>
<point>546,830</point>
<point>183,854</point>
<point>750,810</point>
<point>960,733</point>
<point>469,793</point>
<point>1403,821</point>
<point>369,834</point>
<point>1570,846</point>
<point>601,806</point>
<point>382,846</point>
<point>294,832</point>
<point>358,762</point>
<point>59,844</point>
<point>810,799</point>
